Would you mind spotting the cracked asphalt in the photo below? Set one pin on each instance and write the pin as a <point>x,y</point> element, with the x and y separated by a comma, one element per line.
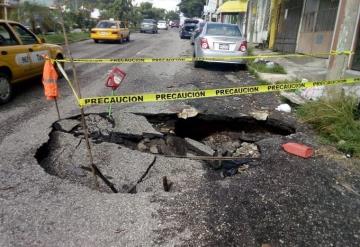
<point>280,200</point>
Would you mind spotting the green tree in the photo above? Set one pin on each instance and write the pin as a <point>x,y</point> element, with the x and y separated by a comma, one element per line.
<point>172,15</point>
<point>38,17</point>
<point>192,8</point>
<point>149,12</point>
<point>119,9</point>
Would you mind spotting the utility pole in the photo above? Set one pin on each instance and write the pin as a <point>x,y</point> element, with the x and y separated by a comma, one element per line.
<point>345,29</point>
<point>250,25</point>
<point>4,5</point>
<point>5,12</point>
<point>253,10</point>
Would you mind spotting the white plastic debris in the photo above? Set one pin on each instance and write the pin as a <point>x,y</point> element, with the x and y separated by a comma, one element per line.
<point>284,108</point>
<point>270,64</point>
<point>304,80</point>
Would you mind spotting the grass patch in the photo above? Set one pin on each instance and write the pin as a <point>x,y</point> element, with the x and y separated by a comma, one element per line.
<point>59,38</point>
<point>337,120</point>
<point>262,68</point>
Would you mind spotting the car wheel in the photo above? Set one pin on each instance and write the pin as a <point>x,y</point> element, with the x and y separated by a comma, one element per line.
<point>121,40</point>
<point>96,41</point>
<point>241,67</point>
<point>5,88</point>
<point>128,38</point>
<point>197,64</point>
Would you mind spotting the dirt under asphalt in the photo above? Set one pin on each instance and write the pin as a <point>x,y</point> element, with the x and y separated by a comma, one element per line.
<point>281,200</point>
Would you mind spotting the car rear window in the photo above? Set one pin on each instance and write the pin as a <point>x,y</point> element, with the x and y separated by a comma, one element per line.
<point>191,21</point>
<point>106,24</point>
<point>148,21</point>
<point>190,27</point>
<point>223,30</point>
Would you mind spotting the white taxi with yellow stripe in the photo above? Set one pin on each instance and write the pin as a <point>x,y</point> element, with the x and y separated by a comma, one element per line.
<point>21,56</point>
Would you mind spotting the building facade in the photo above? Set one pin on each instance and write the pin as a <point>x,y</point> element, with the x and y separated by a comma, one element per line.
<point>317,26</point>
<point>6,7</point>
<point>233,12</point>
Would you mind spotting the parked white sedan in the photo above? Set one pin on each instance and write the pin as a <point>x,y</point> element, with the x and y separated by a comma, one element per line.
<point>220,40</point>
<point>162,25</point>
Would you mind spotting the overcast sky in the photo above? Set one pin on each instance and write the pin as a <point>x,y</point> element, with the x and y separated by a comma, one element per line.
<point>165,4</point>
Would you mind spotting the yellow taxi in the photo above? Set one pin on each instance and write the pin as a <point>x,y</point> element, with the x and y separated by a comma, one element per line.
<point>110,30</point>
<point>21,56</point>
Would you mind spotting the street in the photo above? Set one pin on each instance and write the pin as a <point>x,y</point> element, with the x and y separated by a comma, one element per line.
<point>280,199</point>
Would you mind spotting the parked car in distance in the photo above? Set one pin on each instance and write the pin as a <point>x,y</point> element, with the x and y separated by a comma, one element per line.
<point>186,30</point>
<point>175,23</point>
<point>162,25</point>
<point>21,56</point>
<point>220,40</point>
<point>110,30</point>
<point>148,25</point>
<point>196,32</point>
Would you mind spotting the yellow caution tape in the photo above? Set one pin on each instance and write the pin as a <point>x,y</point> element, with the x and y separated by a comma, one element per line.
<point>198,94</point>
<point>61,69</point>
<point>192,59</point>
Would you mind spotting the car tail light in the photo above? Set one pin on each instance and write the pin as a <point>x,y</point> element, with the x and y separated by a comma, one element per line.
<point>243,46</point>
<point>93,31</point>
<point>204,43</point>
<point>114,32</point>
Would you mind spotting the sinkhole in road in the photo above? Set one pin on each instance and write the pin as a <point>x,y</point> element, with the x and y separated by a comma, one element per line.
<point>154,152</point>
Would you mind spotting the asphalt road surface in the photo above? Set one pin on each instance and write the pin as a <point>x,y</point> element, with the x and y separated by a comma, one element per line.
<point>282,200</point>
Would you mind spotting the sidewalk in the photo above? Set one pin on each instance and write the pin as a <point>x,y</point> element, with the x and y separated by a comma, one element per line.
<point>310,68</point>
<point>300,68</point>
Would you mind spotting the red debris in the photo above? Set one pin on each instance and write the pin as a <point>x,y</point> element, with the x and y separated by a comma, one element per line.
<point>298,149</point>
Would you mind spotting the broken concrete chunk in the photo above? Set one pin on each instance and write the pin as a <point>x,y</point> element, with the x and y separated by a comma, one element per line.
<point>154,149</point>
<point>230,146</point>
<point>141,146</point>
<point>293,98</point>
<point>199,147</point>
<point>260,115</point>
<point>187,113</point>
<point>247,150</point>
<point>98,126</point>
<point>66,125</point>
<point>134,125</point>
<point>175,145</point>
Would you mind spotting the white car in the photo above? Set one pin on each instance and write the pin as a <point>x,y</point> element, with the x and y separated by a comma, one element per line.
<point>162,25</point>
